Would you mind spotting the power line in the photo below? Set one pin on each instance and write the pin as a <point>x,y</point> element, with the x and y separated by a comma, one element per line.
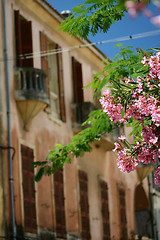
<point>55,51</point>
<point>61,50</point>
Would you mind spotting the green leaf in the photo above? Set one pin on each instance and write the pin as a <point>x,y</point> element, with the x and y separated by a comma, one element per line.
<point>39,163</point>
<point>39,175</point>
<point>79,8</point>
<point>92,1</point>
<point>118,45</point>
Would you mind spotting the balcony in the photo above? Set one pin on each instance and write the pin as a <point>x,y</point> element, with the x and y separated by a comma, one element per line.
<point>31,84</point>
<point>30,92</point>
<point>108,139</point>
<point>80,112</point>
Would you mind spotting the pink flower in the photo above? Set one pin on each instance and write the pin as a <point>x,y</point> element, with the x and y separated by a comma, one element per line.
<point>112,109</point>
<point>134,7</point>
<point>153,140</point>
<point>156,20</point>
<point>144,61</point>
<point>131,8</point>
<point>117,147</point>
<point>146,155</point>
<point>122,138</point>
<point>129,80</point>
<point>126,162</point>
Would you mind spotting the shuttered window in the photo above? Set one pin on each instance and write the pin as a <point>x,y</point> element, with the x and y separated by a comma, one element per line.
<point>23,39</point>
<point>53,66</point>
<point>77,81</point>
<point>105,210</point>
<point>123,220</point>
<point>59,204</point>
<point>84,207</point>
<point>27,157</point>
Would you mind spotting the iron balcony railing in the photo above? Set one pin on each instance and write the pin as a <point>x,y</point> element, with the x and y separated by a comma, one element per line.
<point>31,84</point>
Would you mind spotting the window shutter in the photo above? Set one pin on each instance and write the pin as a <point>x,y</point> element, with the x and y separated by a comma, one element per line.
<point>83,185</point>
<point>44,59</point>
<point>123,221</point>
<point>77,81</point>
<point>26,37</point>
<point>105,210</point>
<point>18,38</point>
<point>28,190</point>
<point>59,204</point>
<point>61,85</point>
<point>23,31</point>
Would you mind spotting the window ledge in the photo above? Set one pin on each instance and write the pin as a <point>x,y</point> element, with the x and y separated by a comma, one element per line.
<point>52,117</point>
<point>30,235</point>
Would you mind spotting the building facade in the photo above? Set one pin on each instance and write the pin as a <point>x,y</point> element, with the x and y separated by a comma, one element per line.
<point>42,103</point>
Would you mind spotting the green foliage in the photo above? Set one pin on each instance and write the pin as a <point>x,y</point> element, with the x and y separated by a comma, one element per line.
<point>80,143</point>
<point>126,64</point>
<point>93,16</point>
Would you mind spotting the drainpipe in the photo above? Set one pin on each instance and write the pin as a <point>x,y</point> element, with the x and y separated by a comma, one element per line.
<point>9,122</point>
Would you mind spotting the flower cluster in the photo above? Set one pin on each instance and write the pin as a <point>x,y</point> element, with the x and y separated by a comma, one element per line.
<point>140,6</point>
<point>157,176</point>
<point>126,162</point>
<point>143,107</point>
<point>113,110</point>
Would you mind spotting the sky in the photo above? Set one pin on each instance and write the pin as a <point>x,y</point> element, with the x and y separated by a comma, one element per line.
<point>125,28</point>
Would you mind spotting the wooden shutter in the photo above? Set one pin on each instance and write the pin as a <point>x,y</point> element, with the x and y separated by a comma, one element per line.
<point>61,86</point>
<point>83,185</point>
<point>26,37</point>
<point>59,204</point>
<point>18,38</point>
<point>123,221</point>
<point>23,31</point>
<point>28,190</point>
<point>77,81</point>
<point>105,210</point>
<point>44,59</point>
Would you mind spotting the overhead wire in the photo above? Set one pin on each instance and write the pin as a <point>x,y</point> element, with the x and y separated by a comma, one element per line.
<point>71,48</point>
